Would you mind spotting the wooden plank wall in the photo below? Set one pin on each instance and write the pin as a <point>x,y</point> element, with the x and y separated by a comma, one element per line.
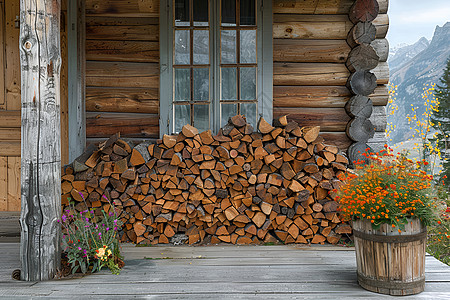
<point>122,68</point>
<point>10,102</point>
<point>310,50</point>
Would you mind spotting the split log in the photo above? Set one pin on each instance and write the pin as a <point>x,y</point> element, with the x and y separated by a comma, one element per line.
<point>238,187</point>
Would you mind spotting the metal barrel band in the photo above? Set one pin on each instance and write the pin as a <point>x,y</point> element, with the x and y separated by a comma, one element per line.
<point>392,285</point>
<point>390,238</point>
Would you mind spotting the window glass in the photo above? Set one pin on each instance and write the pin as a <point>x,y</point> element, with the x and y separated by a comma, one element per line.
<point>201,47</point>
<point>247,12</point>
<point>182,116</point>
<point>227,111</point>
<point>182,84</point>
<point>228,84</point>
<point>248,83</point>
<point>201,9</point>
<point>181,13</point>
<point>201,84</point>
<point>228,46</point>
<point>249,111</point>
<point>248,46</point>
<point>182,47</point>
<point>228,10</point>
<point>201,117</point>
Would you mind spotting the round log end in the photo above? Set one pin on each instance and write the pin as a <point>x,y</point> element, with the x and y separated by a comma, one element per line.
<point>362,83</point>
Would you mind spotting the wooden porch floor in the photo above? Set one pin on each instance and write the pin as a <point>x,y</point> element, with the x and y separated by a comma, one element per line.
<point>221,272</point>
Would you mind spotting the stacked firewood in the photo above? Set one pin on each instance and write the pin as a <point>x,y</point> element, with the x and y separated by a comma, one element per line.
<point>238,187</point>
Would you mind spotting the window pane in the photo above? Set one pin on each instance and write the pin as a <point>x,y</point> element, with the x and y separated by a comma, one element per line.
<point>249,110</point>
<point>182,47</point>
<point>228,84</point>
<point>248,12</point>
<point>181,12</point>
<point>201,12</point>
<point>228,12</point>
<point>201,84</point>
<point>201,117</point>
<point>182,84</point>
<point>228,46</point>
<point>248,83</point>
<point>182,116</point>
<point>227,111</point>
<point>248,46</point>
<point>201,47</point>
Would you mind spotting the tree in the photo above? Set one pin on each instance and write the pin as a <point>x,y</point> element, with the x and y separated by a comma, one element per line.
<point>440,120</point>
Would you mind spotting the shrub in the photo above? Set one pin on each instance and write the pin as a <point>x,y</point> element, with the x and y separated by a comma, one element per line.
<point>91,241</point>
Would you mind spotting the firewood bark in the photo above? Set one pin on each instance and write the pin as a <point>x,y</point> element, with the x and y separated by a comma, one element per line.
<point>243,187</point>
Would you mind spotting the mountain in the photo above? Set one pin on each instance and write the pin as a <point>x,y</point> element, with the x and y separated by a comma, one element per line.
<point>399,56</point>
<point>412,67</point>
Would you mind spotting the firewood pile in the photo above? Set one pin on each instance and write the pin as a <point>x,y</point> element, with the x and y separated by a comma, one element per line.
<point>240,186</point>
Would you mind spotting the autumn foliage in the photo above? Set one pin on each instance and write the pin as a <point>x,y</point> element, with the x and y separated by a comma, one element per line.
<point>387,189</point>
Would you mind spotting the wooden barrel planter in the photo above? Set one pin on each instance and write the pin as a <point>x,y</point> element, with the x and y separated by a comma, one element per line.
<point>389,262</point>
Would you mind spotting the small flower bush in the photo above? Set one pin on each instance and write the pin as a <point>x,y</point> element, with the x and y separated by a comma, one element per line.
<point>387,189</point>
<point>90,241</point>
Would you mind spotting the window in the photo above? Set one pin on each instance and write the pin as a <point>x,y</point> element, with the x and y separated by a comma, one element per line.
<point>216,62</point>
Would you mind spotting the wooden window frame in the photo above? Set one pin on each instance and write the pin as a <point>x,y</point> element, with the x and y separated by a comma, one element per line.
<point>264,62</point>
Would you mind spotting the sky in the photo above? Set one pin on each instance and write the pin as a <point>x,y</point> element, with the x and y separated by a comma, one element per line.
<point>409,20</point>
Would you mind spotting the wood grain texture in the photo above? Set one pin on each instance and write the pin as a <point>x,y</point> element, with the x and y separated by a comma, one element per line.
<point>40,248</point>
<point>310,96</point>
<point>10,148</point>
<point>294,50</point>
<point>64,86</point>
<point>131,8</point>
<point>381,263</point>
<point>139,100</point>
<point>122,29</point>
<point>12,72</point>
<point>381,46</point>
<point>10,118</point>
<point>127,51</point>
<point>311,7</point>
<point>309,74</point>
<point>14,184</point>
<point>382,73</point>
<point>379,118</point>
<point>329,119</point>
<point>321,26</point>
<point>129,125</point>
<point>338,139</point>
<point>3,183</point>
<point>310,27</point>
<point>2,57</point>
<point>122,74</point>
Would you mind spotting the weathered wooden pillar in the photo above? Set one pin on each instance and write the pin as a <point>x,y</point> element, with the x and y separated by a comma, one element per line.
<point>40,60</point>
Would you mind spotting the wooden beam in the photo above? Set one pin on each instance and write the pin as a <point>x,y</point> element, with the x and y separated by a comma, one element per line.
<point>76,74</point>
<point>41,149</point>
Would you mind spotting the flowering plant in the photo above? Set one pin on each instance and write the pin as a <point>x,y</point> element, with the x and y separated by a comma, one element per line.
<point>387,189</point>
<point>90,241</point>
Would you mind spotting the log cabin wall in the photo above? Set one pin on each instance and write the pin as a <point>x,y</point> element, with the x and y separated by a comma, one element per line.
<point>10,102</point>
<point>122,68</point>
<point>310,51</point>
<point>310,75</point>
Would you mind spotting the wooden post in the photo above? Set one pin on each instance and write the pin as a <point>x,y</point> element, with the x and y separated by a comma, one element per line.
<point>40,60</point>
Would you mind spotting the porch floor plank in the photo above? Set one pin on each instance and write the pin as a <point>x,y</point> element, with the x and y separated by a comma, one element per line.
<point>222,272</point>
